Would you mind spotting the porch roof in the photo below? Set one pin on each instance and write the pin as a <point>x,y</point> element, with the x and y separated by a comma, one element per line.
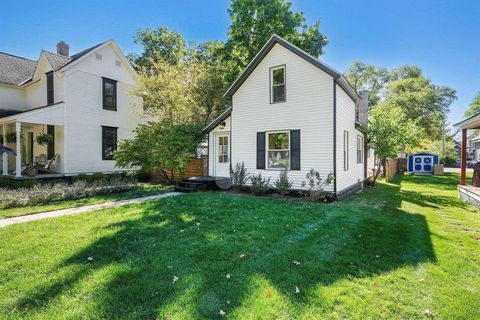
<point>472,122</point>
<point>50,115</point>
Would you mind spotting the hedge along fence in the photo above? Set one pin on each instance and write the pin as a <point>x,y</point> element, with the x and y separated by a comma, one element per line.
<point>391,167</point>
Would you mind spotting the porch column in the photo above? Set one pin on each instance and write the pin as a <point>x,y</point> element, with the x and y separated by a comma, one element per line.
<point>463,158</point>
<point>18,160</point>
<point>5,154</point>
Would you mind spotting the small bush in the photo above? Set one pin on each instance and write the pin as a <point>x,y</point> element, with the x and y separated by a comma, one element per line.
<point>259,185</point>
<point>17,184</point>
<point>314,187</point>
<point>239,176</point>
<point>143,175</point>
<point>43,194</point>
<point>283,185</point>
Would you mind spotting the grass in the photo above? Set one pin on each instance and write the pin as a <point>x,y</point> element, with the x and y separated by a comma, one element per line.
<point>405,250</point>
<point>143,190</point>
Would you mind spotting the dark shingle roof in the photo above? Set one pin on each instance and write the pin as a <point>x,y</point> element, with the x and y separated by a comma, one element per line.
<point>56,60</point>
<point>14,70</point>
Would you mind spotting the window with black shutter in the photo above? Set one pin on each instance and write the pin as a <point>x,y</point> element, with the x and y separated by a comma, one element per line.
<point>109,142</point>
<point>50,92</point>
<point>109,94</point>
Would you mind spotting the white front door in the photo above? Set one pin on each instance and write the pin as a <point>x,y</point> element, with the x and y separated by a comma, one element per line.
<point>221,154</point>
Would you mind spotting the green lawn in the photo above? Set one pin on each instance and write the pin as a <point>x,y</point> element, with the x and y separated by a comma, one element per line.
<point>407,250</point>
<point>143,190</point>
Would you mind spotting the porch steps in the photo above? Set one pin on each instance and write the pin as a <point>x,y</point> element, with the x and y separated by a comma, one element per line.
<point>193,184</point>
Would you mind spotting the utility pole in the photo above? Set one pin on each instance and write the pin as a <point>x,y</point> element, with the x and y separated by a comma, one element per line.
<point>443,139</point>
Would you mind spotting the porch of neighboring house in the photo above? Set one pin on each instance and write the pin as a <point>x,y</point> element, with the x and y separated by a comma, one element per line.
<point>37,142</point>
<point>468,193</point>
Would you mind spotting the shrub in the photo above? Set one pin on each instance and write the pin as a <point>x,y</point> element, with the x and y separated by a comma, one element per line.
<point>16,184</point>
<point>144,175</point>
<point>259,185</point>
<point>315,185</point>
<point>43,194</point>
<point>239,175</point>
<point>283,185</point>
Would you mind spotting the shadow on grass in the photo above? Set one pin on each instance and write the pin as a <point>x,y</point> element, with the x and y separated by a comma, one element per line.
<point>200,239</point>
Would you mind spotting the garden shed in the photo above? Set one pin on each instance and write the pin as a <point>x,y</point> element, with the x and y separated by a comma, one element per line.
<point>422,163</point>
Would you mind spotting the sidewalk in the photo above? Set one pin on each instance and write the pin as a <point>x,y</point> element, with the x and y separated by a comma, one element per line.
<point>65,212</point>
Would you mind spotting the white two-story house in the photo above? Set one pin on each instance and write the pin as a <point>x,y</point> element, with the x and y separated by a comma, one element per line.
<point>289,111</point>
<point>81,103</point>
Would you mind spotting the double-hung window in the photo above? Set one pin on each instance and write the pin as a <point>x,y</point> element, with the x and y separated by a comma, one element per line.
<point>278,150</point>
<point>109,94</point>
<point>359,149</point>
<point>109,142</point>
<point>345,150</point>
<point>277,83</point>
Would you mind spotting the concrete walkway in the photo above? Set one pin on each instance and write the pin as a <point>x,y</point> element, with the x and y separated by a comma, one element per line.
<point>66,212</point>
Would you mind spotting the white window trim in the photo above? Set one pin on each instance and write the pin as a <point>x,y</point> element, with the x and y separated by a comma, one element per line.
<point>360,144</point>
<point>284,83</point>
<point>346,138</point>
<point>267,149</point>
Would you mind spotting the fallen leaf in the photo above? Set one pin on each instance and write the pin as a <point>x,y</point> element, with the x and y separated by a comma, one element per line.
<point>429,313</point>
<point>297,290</point>
<point>90,259</point>
<point>422,280</point>
<point>295,262</point>
<point>175,279</point>
<point>268,292</point>
<point>227,276</point>
<point>221,312</point>
<point>242,255</point>
<point>377,256</point>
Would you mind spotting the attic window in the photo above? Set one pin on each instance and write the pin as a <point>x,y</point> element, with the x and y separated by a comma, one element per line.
<point>98,56</point>
<point>117,63</point>
<point>277,84</point>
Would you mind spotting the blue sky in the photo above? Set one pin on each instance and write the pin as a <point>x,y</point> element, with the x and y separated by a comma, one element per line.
<point>442,37</point>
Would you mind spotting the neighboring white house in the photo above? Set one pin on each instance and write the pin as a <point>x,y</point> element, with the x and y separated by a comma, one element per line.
<point>84,101</point>
<point>291,111</point>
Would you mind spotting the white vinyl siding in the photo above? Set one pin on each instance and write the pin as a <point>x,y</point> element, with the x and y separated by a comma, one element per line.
<point>308,108</point>
<point>346,122</point>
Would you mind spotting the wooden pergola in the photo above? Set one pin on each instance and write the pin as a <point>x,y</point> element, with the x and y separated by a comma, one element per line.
<point>470,123</point>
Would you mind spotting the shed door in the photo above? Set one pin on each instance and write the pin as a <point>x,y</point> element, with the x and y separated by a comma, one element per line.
<point>423,164</point>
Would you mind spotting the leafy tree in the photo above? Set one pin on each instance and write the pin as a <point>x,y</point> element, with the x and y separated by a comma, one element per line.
<point>474,106</point>
<point>158,44</point>
<point>389,131</point>
<point>160,147</point>
<point>255,21</point>
<point>405,72</point>
<point>422,102</point>
<point>364,76</point>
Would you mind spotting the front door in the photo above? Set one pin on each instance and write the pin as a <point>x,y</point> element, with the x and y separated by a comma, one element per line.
<point>221,154</point>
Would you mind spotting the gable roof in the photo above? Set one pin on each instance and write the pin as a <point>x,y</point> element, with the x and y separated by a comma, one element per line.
<point>14,69</point>
<point>218,120</point>
<point>275,39</point>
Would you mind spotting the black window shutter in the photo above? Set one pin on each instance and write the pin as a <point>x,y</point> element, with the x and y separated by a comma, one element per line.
<point>260,150</point>
<point>295,150</point>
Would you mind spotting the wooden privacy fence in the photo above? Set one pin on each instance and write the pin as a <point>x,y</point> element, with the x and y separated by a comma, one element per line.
<point>391,167</point>
<point>193,168</point>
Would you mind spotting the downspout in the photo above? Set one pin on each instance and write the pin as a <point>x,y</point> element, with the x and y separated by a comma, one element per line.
<point>335,137</point>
